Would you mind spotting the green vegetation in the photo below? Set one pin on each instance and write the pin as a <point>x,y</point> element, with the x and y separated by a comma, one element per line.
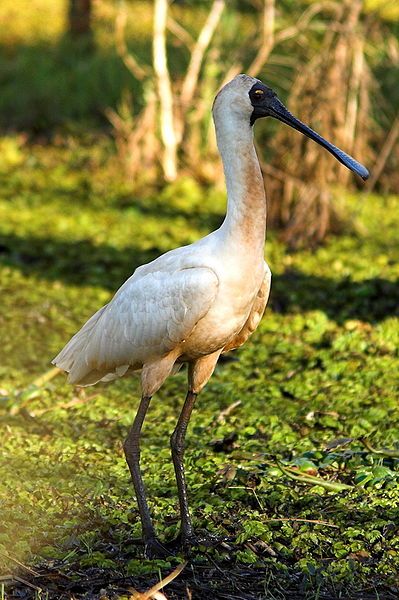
<point>48,81</point>
<point>302,475</point>
<point>334,63</point>
<point>293,450</point>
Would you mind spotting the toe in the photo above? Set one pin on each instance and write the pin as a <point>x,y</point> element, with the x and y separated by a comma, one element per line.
<point>154,549</point>
<point>201,538</point>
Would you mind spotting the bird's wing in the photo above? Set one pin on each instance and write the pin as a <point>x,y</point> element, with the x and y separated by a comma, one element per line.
<point>255,315</point>
<point>148,317</point>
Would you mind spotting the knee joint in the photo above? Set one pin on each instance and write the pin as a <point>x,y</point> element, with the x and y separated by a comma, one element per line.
<point>176,443</point>
<point>131,448</point>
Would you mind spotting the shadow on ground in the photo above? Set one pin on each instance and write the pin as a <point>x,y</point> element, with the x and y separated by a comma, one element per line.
<point>201,579</point>
<point>45,85</point>
<point>83,263</point>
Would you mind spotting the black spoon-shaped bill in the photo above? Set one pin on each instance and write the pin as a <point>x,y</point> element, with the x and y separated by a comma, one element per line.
<point>277,110</point>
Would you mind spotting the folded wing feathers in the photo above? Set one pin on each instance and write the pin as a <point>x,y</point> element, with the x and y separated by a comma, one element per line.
<point>147,317</point>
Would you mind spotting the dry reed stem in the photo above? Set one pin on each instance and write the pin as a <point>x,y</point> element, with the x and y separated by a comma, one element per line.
<point>227,411</point>
<point>11,577</point>
<point>315,521</point>
<point>270,38</point>
<point>267,42</point>
<point>131,63</point>
<point>331,91</point>
<point>178,31</point>
<point>47,376</point>
<point>190,81</point>
<point>20,564</point>
<point>384,154</point>
<point>154,592</point>
<point>165,95</point>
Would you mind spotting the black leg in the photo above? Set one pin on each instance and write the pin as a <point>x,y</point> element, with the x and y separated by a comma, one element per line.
<point>132,452</point>
<point>177,445</point>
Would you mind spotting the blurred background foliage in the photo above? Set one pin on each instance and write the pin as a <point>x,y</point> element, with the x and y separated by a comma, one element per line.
<point>303,473</point>
<point>73,65</point>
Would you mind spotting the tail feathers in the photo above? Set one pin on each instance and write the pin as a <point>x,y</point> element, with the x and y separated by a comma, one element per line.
<point>72,357</point>
<point>93,376</point>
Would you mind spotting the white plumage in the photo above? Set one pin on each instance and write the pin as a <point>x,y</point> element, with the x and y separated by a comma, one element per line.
<point>148,316</point>
<point>195,302</point>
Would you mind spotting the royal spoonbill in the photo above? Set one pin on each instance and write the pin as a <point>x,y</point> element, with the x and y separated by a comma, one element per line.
<point>193,303</point>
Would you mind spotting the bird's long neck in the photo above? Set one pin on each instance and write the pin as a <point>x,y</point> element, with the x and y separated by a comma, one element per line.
<point>245,222</point>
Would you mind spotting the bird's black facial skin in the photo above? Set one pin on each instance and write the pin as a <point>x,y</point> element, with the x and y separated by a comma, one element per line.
<point>261,96</point>
<point>266,104</point>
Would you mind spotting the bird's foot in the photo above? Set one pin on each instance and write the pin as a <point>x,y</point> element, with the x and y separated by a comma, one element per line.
<point>154,549</point>
<point>186,541</point>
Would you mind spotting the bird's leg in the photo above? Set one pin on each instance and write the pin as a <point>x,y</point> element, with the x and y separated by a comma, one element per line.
<point>199,373</point>
<point>177,445</point>
<point>152,547</point>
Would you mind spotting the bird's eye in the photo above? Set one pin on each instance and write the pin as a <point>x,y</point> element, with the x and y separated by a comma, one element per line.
<point>258,95</point>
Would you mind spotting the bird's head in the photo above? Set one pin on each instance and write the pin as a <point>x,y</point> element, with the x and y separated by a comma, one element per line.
<point>245,99</point>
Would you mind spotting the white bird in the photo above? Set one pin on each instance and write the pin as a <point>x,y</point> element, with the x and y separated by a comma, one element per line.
<point>195,302</point>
